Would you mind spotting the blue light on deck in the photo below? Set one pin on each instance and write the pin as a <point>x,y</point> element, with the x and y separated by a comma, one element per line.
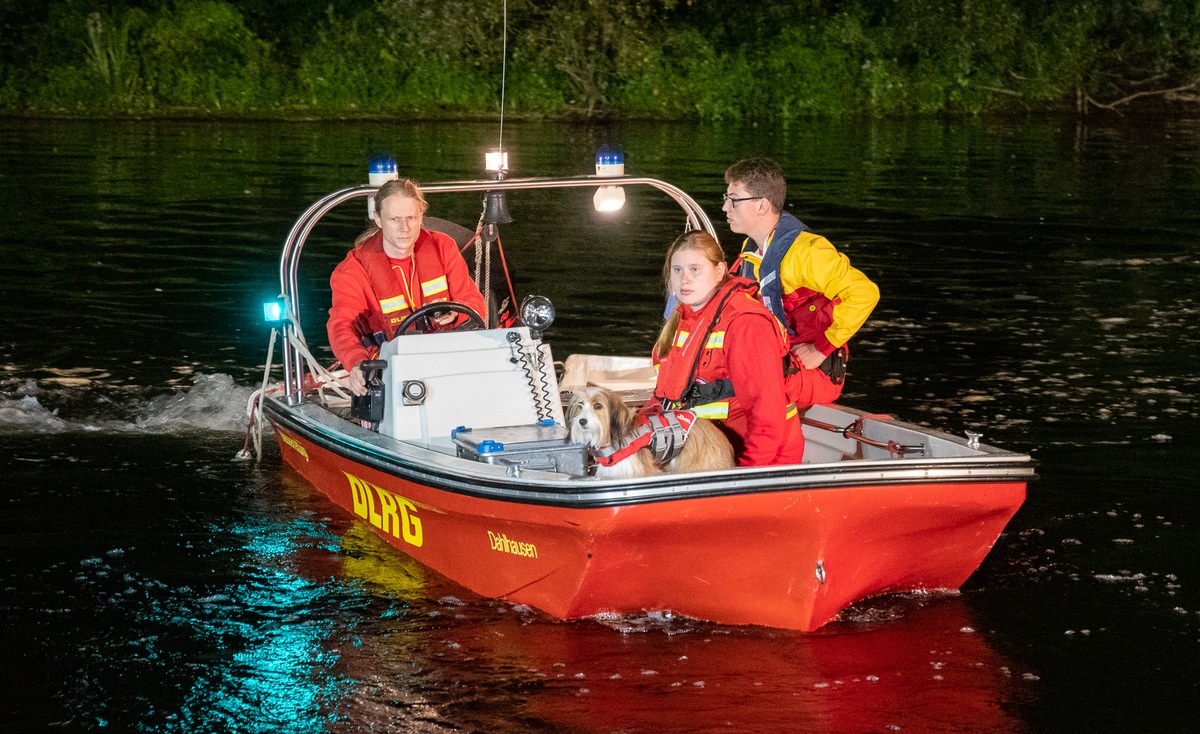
<point>610,161</point>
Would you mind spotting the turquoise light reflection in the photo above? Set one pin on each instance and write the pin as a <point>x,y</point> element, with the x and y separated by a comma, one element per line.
<point>284,628</point>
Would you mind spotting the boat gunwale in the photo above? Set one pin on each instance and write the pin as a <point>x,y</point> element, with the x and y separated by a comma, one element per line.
<point>488,481</point>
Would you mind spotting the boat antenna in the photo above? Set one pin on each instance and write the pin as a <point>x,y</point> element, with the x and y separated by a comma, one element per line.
<point>503,70</point>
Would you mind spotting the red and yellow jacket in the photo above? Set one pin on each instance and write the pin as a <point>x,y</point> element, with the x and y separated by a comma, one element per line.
<point>809,285</point>
<point>373,292</point>
<point>726,364</point>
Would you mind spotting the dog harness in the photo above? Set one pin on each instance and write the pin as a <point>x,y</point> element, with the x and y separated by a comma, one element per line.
<point>661,431</point>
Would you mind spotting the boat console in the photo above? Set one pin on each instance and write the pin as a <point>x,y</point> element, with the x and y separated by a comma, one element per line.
<point>437,383</point>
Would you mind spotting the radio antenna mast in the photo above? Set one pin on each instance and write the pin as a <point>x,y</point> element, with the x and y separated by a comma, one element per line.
<point>503,72</point>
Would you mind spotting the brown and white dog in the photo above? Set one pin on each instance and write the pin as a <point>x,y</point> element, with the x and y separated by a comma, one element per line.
<point>599,418</point>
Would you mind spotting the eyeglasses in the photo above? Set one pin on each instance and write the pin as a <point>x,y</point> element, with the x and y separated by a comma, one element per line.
<point>733,200</point>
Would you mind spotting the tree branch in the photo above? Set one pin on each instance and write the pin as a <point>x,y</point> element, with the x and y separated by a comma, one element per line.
<point>1112,106</point>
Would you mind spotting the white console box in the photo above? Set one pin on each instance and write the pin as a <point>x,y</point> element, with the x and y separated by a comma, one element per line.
<point>470,379</point>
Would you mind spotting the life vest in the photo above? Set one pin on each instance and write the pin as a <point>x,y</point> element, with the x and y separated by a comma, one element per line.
<point>387,287</point>
<point>804,312</point>
<point>695,374</point>
<point>662,431</point>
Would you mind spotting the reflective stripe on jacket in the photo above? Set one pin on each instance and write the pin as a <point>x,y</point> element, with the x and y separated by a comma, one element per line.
<point>369,297</point>
<point>733,339</point>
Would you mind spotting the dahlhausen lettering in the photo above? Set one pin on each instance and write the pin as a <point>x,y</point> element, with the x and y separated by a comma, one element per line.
<point>389,512</point>
<point>501,542</point>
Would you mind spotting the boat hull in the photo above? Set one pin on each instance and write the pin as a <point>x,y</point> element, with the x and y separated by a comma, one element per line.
<point>790,555</point>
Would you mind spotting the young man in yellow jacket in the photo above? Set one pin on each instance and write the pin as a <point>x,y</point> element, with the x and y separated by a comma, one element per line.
<point>810,287</point>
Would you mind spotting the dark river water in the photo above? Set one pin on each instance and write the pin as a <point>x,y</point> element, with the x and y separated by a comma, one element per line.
<point>1039,284</point>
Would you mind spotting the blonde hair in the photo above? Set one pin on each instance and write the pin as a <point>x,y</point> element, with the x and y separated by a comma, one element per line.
<point>708,247</point>
<point>405,187</point>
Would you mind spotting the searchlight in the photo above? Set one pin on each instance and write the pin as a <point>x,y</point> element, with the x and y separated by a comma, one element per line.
<point>537,312</point>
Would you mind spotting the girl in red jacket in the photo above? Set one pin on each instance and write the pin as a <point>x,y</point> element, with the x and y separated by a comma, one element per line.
<point>721,354</point>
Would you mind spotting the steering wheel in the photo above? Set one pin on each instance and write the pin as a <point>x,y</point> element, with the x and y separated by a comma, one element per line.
<point>420,318</point>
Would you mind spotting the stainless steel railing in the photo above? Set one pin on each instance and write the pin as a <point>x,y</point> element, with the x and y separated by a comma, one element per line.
<point>290,259</point>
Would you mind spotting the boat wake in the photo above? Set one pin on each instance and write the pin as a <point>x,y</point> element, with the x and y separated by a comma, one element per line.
<point>62,405</point>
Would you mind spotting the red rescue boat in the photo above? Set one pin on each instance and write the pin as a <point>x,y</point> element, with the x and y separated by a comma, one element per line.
<point>470,471</point>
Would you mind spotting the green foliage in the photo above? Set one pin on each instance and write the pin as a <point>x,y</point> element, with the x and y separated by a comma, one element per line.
<point>186,55</point>
<point>109,56</point>
<point>699,59</point>
<point>351,66</point>
<point>460,50</point>
<point>687,77</point>
<point>200,54</point>
<point>821,71</point>
<point>595,45</point>
<point>533,86</point>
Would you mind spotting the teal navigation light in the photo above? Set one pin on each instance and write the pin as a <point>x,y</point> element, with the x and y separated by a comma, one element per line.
<point>274,312</point>
<point>610,161</point>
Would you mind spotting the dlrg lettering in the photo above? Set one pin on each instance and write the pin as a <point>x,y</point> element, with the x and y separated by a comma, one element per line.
<point>386,511</point>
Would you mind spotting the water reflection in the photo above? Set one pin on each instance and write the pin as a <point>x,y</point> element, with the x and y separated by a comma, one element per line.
<point>913,664</point>
<point>269,638</point>
<point>1039,287</point>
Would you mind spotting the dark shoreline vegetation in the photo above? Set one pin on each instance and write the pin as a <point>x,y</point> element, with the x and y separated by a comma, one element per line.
<point>708,60</point>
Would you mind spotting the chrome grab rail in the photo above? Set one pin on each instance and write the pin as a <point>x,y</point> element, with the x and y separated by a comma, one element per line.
<point>293,367</point>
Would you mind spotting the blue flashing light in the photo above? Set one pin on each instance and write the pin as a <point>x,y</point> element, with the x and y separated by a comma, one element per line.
<point>607,155</point>
<point>383,164</point>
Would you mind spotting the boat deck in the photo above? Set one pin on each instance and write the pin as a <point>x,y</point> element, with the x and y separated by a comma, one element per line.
<point>855,438</point>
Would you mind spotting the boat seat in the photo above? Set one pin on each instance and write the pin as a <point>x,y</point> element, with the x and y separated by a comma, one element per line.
<point>460,234</point>
<point>631,377</point>
<point>498,297</point>
<point>435,383</point>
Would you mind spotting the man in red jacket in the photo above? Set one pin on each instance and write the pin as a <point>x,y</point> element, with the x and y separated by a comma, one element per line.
<point>391,273</point>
